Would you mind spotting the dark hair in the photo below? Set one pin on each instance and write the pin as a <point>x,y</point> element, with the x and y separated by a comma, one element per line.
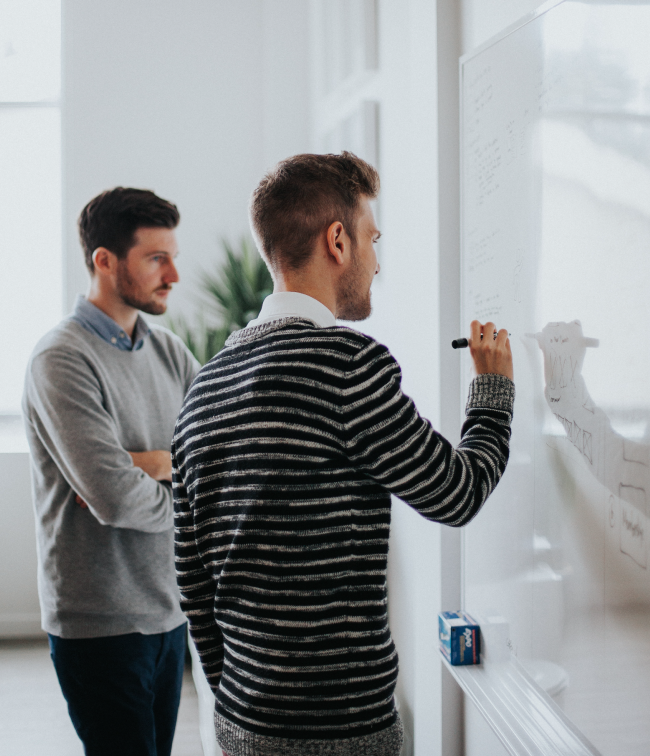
<point>111,219</point>
<point>301,197</point>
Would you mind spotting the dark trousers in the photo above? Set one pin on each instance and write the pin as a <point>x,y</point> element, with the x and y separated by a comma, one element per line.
<point>123,691</point>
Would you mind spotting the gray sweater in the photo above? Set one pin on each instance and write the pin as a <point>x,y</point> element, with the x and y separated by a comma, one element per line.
<point>108,569</point>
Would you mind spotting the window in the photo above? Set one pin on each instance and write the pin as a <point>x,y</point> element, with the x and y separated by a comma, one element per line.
<point>30,193</point>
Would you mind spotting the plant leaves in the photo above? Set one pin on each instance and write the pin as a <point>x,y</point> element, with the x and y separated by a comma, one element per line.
<point>233,293</point>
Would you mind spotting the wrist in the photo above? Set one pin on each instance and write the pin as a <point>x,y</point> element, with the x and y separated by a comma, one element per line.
<point>491,391</point>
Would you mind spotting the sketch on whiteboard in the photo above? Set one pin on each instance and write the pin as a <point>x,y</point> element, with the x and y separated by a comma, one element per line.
<point>626,473</point>
<point>635,453</point>
<point>633,524</point>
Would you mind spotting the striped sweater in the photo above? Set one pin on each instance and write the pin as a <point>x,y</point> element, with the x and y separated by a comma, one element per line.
<point>285,454</point>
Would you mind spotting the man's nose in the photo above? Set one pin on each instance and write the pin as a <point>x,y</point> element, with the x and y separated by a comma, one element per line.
<point>377,269</point>
<point>171,274</point>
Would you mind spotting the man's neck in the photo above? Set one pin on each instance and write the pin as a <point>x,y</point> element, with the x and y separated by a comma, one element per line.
<point>302,285</point>
<point>124,315</point>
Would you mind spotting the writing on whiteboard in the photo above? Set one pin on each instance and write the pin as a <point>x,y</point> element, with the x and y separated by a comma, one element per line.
<point>481,249</point>
<point>487,159</point>
<point>487,306</point>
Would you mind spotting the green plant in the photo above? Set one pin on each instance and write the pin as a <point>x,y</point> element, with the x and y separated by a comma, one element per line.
<point>233,294</point>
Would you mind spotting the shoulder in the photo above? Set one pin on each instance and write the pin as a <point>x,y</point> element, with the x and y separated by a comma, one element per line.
<point>351,339</point>
<point>348,341</point>
<point>297,340</point>
<point>68,338</point>
<point>300,334</point>
<point>361,347</point>
<point>61,361</point>
<point>164,336</point>
<point>174,348</point>
<point>357,355</point>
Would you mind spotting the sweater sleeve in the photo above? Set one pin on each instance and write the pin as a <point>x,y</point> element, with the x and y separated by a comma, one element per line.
<point>65,406</point>
<point>392,444</point>
<point>189,365</point>
<point>192,368</point>
<point>195,583</point>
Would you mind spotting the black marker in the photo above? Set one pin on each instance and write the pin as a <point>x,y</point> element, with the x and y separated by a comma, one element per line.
<point>462,343</point>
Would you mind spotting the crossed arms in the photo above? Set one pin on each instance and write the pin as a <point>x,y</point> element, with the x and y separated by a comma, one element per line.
<point>67,411</point>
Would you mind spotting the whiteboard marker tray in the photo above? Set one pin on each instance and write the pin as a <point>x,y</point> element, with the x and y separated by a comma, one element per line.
<point>525,718</point>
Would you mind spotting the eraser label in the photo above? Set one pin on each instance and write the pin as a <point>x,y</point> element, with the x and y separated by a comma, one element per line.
<point>460,638</point>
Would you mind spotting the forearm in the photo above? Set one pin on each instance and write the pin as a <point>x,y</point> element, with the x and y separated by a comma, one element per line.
<point>126,498</point>
<point>392,444</point>
<point>456,482</point>
<point>157,464</point>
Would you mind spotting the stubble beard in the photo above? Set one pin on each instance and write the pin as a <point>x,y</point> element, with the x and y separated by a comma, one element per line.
<point>131,296</point>
<point>353,303</point>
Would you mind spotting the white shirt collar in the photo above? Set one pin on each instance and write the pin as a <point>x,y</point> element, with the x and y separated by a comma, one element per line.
<point>286,304</point>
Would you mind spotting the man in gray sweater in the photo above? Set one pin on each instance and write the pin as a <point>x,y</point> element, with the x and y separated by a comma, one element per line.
<point>102,393</point>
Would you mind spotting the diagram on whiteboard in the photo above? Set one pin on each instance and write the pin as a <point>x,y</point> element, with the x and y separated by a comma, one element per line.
<point>621,464</point>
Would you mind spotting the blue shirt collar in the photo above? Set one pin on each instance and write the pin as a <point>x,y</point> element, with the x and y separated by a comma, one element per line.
<point>94,320</point>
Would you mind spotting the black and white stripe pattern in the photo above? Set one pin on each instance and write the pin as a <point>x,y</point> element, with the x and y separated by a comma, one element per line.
<point>287,449</point>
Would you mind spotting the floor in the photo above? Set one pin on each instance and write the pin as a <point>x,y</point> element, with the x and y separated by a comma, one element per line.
<point>33,713</point>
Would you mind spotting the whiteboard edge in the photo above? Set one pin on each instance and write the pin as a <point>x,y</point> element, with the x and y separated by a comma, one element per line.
<point>545,8</point>
<point>461,314</point>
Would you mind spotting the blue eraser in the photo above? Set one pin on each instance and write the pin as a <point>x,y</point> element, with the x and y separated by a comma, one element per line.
<point>460,638</point>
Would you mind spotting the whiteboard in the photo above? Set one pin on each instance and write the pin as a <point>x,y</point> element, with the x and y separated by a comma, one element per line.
<point>555,134</point>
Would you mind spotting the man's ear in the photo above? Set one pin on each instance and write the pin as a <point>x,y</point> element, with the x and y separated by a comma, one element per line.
<point>104,261</point>
<point>337,242</point>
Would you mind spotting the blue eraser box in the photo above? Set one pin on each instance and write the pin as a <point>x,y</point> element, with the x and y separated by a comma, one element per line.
<point>460,638</point>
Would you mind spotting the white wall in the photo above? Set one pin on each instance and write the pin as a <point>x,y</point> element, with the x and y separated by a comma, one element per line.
<point>19,610</point>
<point>285,124</point>
<point>405,304</point>
<point>193,100</point>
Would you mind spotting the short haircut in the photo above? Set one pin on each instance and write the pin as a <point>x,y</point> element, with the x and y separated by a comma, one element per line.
<point>301,197</point>
<point>111,219</point>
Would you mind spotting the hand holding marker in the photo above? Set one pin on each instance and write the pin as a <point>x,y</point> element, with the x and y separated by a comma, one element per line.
<point>462,343</point>
<point>489,355</point>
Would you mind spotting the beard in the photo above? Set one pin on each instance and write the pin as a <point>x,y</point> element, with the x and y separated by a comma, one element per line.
<point>133,296</point>
<point>354,300</point>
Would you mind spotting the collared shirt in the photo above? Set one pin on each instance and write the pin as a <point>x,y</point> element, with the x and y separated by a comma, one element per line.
<point>94,320</point>
<point>286,304</point>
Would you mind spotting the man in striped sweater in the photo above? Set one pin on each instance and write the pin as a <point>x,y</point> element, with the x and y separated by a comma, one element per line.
<point>286,453</point>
